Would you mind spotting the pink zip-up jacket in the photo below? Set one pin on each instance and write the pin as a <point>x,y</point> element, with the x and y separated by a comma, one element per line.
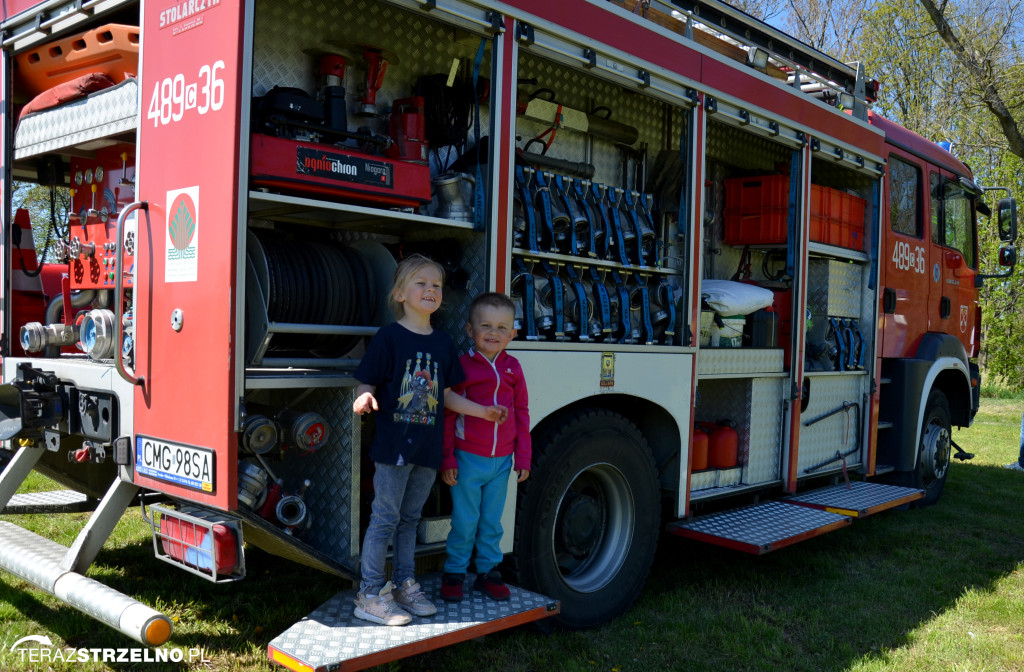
<point>487,383</point>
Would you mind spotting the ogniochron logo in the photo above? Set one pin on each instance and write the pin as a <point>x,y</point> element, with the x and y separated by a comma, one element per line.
<point>47,653</point>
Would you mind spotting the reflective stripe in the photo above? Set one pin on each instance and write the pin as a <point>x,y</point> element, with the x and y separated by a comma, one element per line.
<point>22,282</point>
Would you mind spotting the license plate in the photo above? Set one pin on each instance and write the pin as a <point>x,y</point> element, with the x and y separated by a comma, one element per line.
<point>187,466</point>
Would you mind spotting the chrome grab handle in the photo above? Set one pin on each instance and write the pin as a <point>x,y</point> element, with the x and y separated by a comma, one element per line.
<point>119,288</point>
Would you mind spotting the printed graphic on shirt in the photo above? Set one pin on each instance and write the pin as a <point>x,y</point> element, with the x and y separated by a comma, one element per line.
<point>417,403</point>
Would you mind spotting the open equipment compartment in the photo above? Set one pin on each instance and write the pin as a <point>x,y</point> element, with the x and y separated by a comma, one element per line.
<point>598,242</point>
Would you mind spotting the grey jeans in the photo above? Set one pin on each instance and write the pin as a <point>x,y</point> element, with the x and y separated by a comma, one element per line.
<point>398,498</point>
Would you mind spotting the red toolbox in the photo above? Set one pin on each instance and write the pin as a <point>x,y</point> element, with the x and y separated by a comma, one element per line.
<point>756,210</point>
<point>337,173</point>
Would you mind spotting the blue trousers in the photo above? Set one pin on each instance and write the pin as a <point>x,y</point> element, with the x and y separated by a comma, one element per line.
<point>478,498</point>
<point>398,498</point>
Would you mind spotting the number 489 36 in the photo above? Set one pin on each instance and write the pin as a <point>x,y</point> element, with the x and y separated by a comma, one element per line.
<point>173,96</point>
<point>906,258</point>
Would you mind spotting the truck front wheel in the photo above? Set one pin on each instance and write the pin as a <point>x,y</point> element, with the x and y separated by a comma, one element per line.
<point>588,518</point>
<point>934,448</point>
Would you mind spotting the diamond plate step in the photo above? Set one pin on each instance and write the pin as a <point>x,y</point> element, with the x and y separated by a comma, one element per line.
<point>55,501</point>
<point>331,638</point>
<point>761,528</point>
<point>858,500</point>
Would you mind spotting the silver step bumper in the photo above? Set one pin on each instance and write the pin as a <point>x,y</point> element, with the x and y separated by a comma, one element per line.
<point>39,561</point>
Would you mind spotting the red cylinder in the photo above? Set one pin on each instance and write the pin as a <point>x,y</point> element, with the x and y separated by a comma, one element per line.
<point>408,130</point>
<point>699,456</point>
<point>723,446</point>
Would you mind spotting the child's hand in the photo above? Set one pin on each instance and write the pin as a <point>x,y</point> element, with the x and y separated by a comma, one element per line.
<point>496,413</point>
<point>523,475</point>
<point>364,403</point>
<point>450,476</point>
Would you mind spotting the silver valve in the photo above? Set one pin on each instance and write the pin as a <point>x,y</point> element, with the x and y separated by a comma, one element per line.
<point>77,249</point>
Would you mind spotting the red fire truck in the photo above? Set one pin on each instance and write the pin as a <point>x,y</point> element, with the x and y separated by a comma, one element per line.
<point>746,305</point>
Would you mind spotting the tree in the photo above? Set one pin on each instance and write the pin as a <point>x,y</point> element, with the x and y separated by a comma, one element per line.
<point>48,210</point>
<point>830,27</point>
<point>981,40</point>
<point>984,42</point>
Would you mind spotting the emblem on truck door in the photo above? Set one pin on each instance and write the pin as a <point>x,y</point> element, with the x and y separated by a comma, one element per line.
<point>182,242</point>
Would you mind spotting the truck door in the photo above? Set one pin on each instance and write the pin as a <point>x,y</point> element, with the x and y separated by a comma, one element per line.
<point>905,253</point>
<point>952,301</point>
<point>184,301</point>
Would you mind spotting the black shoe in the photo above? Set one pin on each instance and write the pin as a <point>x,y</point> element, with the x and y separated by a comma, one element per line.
<point>492,585</point>
<point>451,587</point>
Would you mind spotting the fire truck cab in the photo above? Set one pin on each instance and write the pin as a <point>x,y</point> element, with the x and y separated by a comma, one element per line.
<point>746,306</point>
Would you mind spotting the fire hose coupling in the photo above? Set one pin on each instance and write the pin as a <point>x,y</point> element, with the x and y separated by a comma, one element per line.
<point>252,485</point>
<point>306,431</point>
<point>36,337</point>
<point>259,435</point>
<point>292,512</point>
<point>98,334</point>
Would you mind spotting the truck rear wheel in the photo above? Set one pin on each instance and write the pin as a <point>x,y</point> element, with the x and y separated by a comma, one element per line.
<point>934,448</point>
<point>588,518</point>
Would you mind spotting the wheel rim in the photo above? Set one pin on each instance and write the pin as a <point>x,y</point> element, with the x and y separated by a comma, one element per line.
<point>935,451</point>
<point>593,528</point>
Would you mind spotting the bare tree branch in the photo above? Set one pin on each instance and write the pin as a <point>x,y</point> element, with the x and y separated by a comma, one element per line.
<point>980,70</point>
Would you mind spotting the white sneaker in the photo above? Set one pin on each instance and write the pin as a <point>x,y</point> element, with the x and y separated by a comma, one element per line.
<point>380,608</point>
<point>1015,466</point>
<point>412,599</point>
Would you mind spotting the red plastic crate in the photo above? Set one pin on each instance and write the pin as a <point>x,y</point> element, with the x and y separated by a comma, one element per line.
<point>853,216</point>
<point>756,210</point>
<point>819,228</point>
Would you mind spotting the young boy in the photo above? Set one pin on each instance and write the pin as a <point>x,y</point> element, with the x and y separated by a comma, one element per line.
<point>478,453</point>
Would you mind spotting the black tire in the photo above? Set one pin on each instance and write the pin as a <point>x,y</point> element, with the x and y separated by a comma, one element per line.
<point>587,522</point>
<point>934,448</point>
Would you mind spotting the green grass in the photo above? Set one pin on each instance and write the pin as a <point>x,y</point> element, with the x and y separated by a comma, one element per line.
<point>938,588</point>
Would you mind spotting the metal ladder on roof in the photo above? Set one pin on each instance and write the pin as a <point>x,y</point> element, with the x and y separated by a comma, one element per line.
<point>811,70</point>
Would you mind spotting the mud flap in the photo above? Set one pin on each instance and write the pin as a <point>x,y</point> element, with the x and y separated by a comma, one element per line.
<point>331,638</point>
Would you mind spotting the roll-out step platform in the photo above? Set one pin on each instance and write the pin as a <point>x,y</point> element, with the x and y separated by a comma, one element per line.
<point>858,500</point>
<point>762,528</point>
<point>331,638</point>
<point>56,501</point>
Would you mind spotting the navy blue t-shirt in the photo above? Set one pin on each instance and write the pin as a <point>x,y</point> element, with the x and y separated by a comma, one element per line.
<point>410,372</point>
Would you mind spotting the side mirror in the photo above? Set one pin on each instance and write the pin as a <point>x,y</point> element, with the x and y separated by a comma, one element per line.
<point>1007,259</point>
<point>1008,256</point>
<point>1006,220</point>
